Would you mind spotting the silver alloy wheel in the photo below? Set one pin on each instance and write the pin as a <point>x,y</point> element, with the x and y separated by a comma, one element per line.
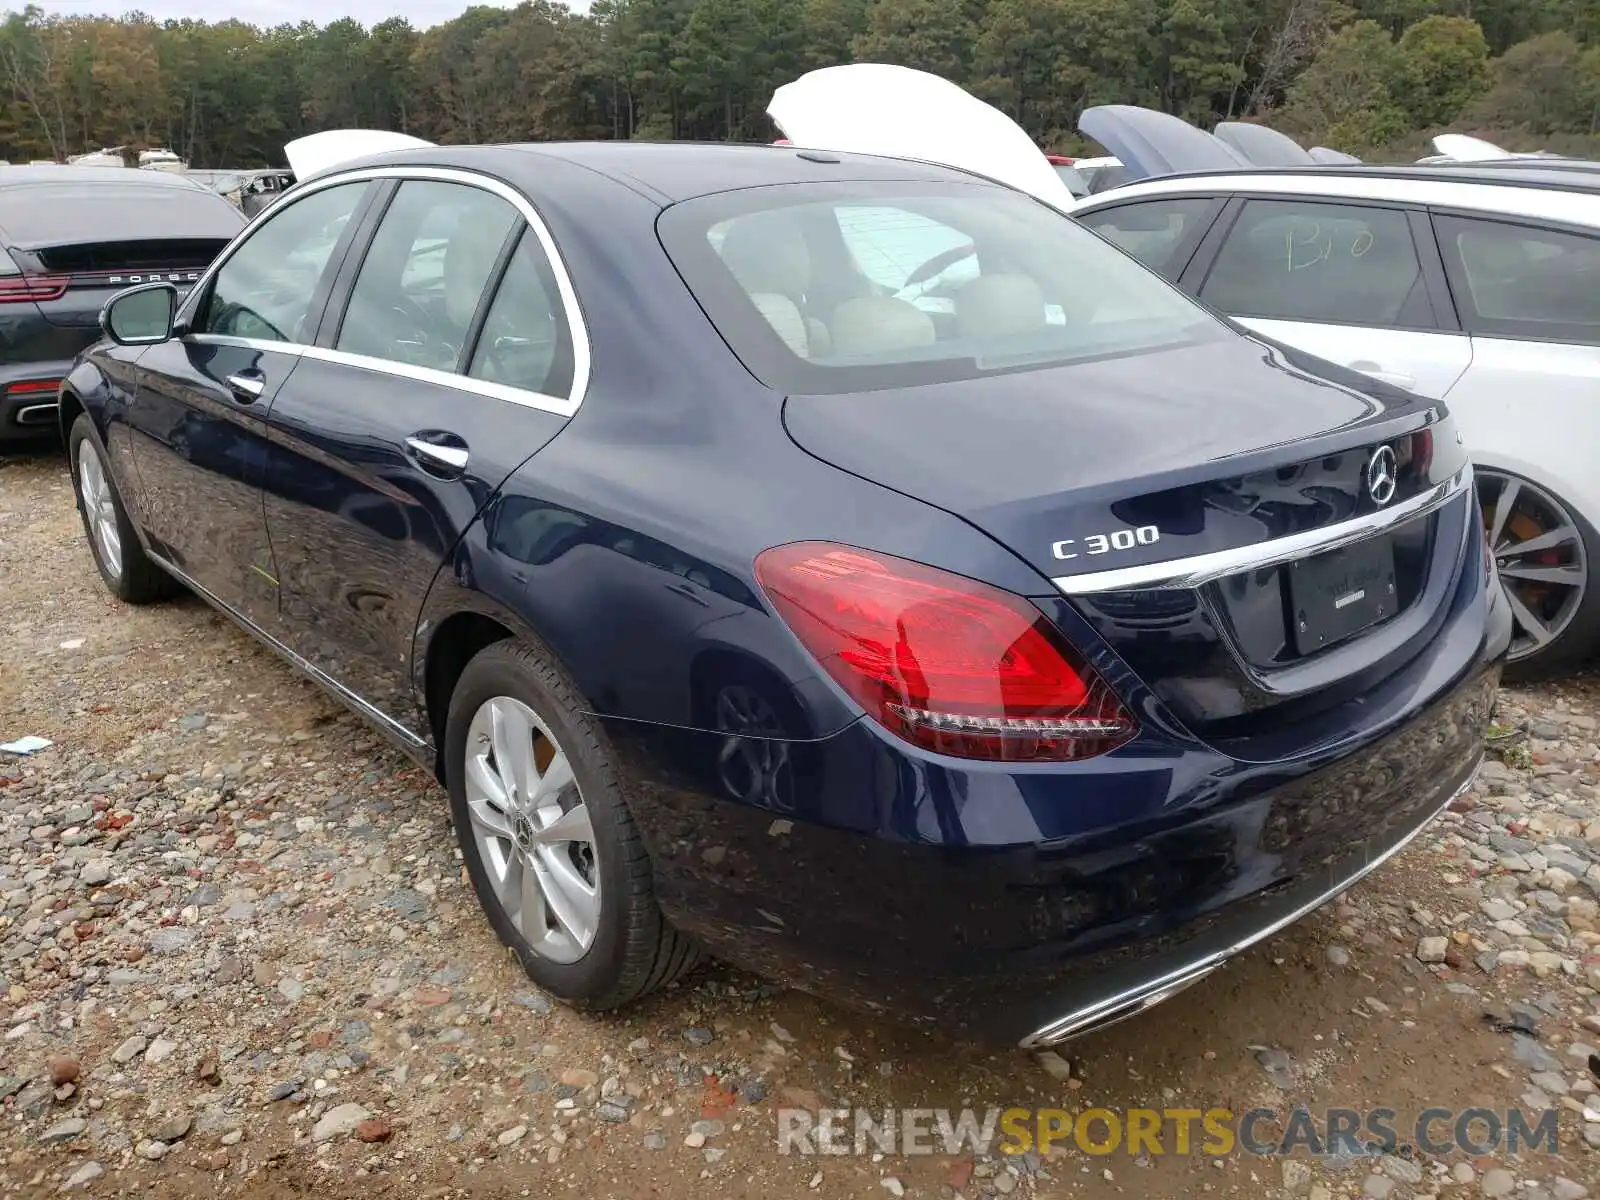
<point>101,510</point>
<point>1539,551</point>
<point>532,829</point>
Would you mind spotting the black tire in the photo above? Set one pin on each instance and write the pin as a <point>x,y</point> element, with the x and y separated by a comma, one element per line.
<point>634,951</point>
<point>138,580</point>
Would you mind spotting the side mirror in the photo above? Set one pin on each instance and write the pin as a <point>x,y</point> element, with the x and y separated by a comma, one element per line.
<point>140,316</point>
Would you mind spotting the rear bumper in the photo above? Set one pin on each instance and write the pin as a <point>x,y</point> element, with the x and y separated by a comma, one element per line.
<point>1169,975</point>
<point>1031,905</point>
<point>30,416</point>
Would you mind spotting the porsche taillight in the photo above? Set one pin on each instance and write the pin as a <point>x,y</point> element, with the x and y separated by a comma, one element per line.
<point>947,663</point>
<point>21,289</point>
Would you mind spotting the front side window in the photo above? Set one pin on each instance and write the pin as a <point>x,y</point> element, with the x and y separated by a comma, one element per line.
<point>425,274</point>
<point>1293,260</point>
<point>828,288</point>
<point>1518,281</point>
<point>1153,232</point>
<point>266,288</point>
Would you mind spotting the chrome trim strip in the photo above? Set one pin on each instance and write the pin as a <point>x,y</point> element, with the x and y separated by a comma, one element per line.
<point>1204,568</point>
<point>1139,998</point>
<point>362,708</point>
<point>37,414</point>
<point>582,351</point>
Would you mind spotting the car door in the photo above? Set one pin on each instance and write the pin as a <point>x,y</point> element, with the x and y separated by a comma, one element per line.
<point>1529,406</point>
<point>1356,283</point>
<point>197,420</point>
<point>450,353</point>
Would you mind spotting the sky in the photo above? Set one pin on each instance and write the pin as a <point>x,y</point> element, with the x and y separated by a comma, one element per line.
<point>421,13</point>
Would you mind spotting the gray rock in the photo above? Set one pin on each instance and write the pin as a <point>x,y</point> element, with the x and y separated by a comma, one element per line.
<point>95,873</point>
<point>696,1036</point>
<point>1563,1188</point>
<point>613,1112</point>
<point>1377,1187</point>
<point>153,1150</point>
<point>655,1140</point>
<point>130,1049</point>
<point>1432,949</point>
<point>174,1129</point>
<point>171,941</point>
<point>1402,1169</point>
<point>339,1121</point>
<point>1532,1055</point>
<point>1498,1182</point>
<point>63,1131</point>
<point>411,906</point>
<point>83,1176</point>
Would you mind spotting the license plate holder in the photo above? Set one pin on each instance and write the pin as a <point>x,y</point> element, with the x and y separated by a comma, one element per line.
<point>1336,595</point>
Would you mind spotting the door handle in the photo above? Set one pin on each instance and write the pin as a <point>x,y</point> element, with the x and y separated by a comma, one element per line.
<point>1398,378</point>
<point>246,389</point>
<point>444,456</point>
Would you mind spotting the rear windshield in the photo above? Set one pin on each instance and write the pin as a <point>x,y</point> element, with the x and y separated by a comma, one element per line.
<point>60,214</point>
<point>827,288</point>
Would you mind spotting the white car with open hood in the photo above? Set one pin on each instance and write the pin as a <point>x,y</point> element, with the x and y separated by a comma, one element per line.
<point>1474,284</point>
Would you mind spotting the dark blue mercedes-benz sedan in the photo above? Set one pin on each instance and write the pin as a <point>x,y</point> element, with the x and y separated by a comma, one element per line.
<point>848,566</point>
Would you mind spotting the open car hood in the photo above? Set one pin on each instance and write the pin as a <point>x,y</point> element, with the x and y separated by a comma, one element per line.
<point>874,108</point>
<point>1467,149</point>
<point>1262,146</point>
<point>317,153</point>
<point>1323,154</point>
<point>1150,143</point>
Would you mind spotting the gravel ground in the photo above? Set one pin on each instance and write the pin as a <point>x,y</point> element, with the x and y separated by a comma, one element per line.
<point>238,957</point>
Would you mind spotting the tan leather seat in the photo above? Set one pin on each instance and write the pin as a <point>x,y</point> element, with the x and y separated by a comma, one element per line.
<point>767,254</point>
<point>869,326</point>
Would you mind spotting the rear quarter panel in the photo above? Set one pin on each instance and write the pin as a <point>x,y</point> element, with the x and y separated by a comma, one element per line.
<point>1533,409</point>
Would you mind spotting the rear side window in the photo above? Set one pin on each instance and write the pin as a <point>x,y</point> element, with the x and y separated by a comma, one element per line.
<point>526,342</point>
<point>426,273</point>
<point>1307,261</point>
<point>838,287</point>
<point>1154,232</point>
<point>1518,281</point>
<point>266,288</point>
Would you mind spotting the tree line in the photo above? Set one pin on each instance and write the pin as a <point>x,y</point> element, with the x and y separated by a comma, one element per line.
<point>1368,76</point>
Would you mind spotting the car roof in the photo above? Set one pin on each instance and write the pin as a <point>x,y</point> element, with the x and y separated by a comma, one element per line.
<point>57,209</point>
<point>1528,191</point>
<point>56,175</point>
<point>669,172</point>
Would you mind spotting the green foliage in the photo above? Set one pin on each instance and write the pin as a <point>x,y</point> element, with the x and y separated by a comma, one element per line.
<point>1358,74</point>
<point>1444,66</point>
<point>1546,85</point>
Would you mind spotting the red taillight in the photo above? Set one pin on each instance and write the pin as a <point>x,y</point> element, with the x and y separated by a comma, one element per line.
<point>948,663</point>
<point>17,289</point>
<point>33,386</point>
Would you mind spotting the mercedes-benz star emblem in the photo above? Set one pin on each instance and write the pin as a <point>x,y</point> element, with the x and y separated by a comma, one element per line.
<point>1383,473</point>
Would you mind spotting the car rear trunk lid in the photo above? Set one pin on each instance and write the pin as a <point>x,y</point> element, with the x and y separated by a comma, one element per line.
<point>1104,474</point>
<point>72,282</point>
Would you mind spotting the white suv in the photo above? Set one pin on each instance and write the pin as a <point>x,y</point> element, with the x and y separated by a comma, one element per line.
<point>1476,285</point>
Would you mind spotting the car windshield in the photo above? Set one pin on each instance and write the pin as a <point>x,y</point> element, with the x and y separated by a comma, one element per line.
<point>828,288</point>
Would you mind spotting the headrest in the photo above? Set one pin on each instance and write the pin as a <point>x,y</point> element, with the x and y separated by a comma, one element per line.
<point>872,325</point>
<point>767,253</point>
<point>999,306</point>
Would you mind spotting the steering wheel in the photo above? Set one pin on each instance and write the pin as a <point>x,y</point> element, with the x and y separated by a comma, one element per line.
<point>940,262</point>
<point>419,330</point>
